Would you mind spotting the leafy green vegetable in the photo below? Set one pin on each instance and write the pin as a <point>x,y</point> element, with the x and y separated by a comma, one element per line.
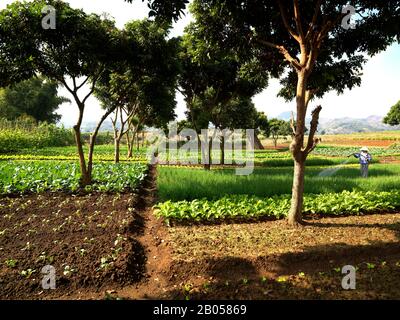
<point>245,207</point>
<point>22,177</point>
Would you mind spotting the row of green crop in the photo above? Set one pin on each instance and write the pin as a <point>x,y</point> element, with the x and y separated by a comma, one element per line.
<point>45,135</point>
<point>342,151</point>
<point>96,157</point>
<point>22,177</point>
<point>187,184</point>
<point>244,207</point>
<point>32,138</point>
<point>106,152</point>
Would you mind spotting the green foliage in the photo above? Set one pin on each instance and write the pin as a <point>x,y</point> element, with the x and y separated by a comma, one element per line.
<point>258,29</point>
<point>393,117</point>
<point>18,135</point>
<point>143,85</point>
<point>244,207</point>
<point>343,151</point>
<point>166,10</point>
<point>217,84</point>
<point>22,177</point>
<point>79,50</point>
<point>262,124</point>
<point>36,97</point>
<point>276,128</point>
<point>81,45</point>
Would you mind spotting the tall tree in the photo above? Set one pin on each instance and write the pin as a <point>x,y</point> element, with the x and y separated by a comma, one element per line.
<point>75,53</point>
<point>239,114</point>
<point>393,117</point>
<point>309,45</point>
<point>212,78</point>
<point>36,97</point>
<point>143,87</point>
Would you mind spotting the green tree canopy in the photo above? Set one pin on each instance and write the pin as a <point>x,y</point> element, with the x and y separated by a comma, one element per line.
<point>262,124</point>
<point>393,117</point>
<point>166,9</point>
<point>305,44</point>
<point>36,97</point>
<point>75,53</point>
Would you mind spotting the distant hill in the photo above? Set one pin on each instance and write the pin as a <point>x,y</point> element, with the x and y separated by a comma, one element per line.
<point>91,126</point>
<point>347,125</point>
<point>351,125</point>
<point>287,115</point>
<point>326,126</point>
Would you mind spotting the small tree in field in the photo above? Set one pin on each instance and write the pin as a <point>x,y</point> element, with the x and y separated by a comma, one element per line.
<point>393,117</point>
<point>75,53</point>
<point>277,128</point>
<point>142,88</point>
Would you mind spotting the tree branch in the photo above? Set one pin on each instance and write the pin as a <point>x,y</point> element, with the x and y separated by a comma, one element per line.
<point>294,62</point>
<point>64,83</point>
<point>328,27</point>
<point>292,123</point>
<point>286,23</point>
<point>95,79</point>
<point>83,83</point>
<point>312,141</point>
<point>298,20</point>
<point>309,96</point>
<point>314,19</point>
<point>94,136</point>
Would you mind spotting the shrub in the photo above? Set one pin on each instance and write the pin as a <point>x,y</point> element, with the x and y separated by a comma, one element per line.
<point>15,136</point>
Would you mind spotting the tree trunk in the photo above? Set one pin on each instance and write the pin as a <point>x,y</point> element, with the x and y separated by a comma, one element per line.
<point>207,166</point>
<point>222,146</point>
<point>296,209</point>
<point>85,178</point>
<point>130,145</point>
<point>92,143</point>
<point>299,156</point>
<point>275,141</point>
<point>116,150</point>
<point>257,143</point>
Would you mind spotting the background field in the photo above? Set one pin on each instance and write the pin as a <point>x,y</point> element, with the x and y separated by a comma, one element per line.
<point>188,184</point>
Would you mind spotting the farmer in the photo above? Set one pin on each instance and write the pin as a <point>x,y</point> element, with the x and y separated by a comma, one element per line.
<point>365,158</point>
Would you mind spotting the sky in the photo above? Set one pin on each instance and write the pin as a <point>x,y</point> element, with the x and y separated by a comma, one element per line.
<point>380,88</point>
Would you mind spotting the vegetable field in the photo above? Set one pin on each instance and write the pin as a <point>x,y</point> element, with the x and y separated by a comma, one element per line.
<point>92,232</point>
<point>40,176</point>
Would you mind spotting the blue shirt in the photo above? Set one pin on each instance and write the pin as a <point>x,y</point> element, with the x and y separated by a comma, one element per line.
<point>364,158</point>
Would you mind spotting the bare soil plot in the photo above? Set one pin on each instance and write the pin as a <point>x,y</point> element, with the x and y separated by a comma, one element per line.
<point>88,239</point>
<point>269,260</point>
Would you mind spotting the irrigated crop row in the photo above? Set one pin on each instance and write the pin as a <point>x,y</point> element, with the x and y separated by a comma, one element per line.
<point>21,177</point>
<point>244,207</point>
